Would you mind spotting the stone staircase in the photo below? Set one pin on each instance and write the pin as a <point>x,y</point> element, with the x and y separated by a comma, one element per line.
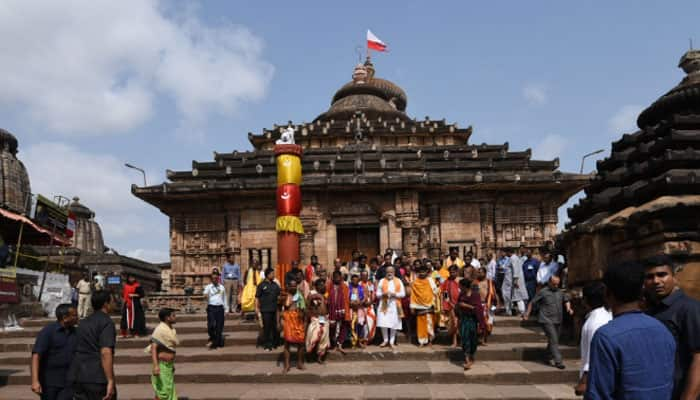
<point>510,367</point>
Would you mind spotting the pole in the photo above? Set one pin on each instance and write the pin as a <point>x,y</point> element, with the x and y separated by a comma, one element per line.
<point>583,159</point>
<point>46,264</point>
<point>19,245</point>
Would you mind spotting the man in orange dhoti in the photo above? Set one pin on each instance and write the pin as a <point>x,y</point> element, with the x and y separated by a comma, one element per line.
<point>293,308</point>
<point>423,296</point>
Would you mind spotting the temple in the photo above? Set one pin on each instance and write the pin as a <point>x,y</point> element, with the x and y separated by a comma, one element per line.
<point>374,178</point>
<point>645,198</point>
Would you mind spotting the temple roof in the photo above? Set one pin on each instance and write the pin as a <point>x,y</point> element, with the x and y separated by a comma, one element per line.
<point>660,159</point>
<point>365,138</point>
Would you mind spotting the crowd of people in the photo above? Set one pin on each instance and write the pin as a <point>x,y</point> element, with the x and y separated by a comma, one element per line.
<point>364,301</point>
<point>640,339</point>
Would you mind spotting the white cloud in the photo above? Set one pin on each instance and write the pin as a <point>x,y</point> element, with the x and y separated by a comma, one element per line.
<point>535,94</point>
<point>155,256</point>
<point>102,184</point>
<point>550,147</point>
<point>625,119</point>
<point>95,67</point>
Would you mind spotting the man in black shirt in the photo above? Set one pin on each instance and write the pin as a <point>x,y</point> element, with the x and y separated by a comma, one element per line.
<point>291,275</point>
<point>266,298</point>
<point>681,315</point>
<point>92,370</point>
<point>52,355</point>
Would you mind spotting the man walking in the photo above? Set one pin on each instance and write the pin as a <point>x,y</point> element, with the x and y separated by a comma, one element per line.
<point>92,369</point>
<point>52,355</point>
<point>84,290</point>
<point>232,281</point>
<point>681,315</point>
<point>632,356</point>
<point>598,315</point>
<point>216,304</point>
<point>549,302</point>
<point>530,268</point>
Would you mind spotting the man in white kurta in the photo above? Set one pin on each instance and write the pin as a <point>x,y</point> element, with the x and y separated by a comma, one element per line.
<point>389,292</point>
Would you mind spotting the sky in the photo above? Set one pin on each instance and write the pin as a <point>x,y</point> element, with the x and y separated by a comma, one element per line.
<point>87,86</point>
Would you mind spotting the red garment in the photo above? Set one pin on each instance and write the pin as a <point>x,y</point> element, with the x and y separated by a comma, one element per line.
<point>339,302</point>
<point>478,311</point>
<point>451,287</point>
<point>309,273</point>
<point>129,288</point>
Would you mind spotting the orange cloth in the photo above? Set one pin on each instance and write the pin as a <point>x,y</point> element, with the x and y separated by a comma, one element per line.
<point>293,321</point>
<point>422,293</point>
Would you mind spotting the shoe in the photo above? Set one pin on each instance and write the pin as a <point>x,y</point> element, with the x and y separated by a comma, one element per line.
<point>560,365</point>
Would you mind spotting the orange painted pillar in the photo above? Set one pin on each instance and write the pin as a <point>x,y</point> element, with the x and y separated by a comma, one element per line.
<point>288,224</point>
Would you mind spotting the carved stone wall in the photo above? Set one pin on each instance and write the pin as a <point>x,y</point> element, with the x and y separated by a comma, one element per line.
<point>419,224</point>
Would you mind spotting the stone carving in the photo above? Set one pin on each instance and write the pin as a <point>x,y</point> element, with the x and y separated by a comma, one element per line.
<point>287,136</point>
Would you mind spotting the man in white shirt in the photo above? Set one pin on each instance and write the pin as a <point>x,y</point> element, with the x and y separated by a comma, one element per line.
<point>215,293</point>
<point>84,295</point>
<point>548,267</point>
<point>593,297</point>
<point>491,267</point>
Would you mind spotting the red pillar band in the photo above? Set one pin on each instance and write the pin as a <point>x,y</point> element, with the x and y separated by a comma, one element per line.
<point>288,196</point>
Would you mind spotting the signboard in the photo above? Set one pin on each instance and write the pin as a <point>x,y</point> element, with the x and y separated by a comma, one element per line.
<point>8,286</point>
<point>114,280</point>
<point>50,216</point>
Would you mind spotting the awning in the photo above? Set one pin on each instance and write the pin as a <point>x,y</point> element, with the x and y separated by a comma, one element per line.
<point>10,224</point>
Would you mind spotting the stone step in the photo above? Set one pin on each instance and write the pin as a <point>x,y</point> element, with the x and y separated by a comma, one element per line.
<point>360,372</point>
<point>500,335</point>
<point>405,352</point>
<point>150,319</point>
<point>202,318</point>
<point>203,391</point>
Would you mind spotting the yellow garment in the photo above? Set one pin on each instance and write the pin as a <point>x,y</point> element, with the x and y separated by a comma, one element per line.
<point>423,293</point>
<point>288,169</point>
<point>289,223</point>
<point>164,336</point>
<point>425,330</point>
<point>448,262</point>
<point>248,295</point>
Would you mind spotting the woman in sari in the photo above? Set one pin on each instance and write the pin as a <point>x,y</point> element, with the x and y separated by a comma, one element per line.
<point>133,322</point>
<point>471,317</point>
<point>252,278</point>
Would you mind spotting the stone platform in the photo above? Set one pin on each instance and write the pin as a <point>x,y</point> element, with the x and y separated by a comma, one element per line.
<point>509,367</point>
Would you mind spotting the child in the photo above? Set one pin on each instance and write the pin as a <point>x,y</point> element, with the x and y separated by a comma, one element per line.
<point>471,318</point>
<point>162,350</point>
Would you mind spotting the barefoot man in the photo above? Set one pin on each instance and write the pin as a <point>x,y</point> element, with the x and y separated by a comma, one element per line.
<point>293,308</point>
<point>317,338</point>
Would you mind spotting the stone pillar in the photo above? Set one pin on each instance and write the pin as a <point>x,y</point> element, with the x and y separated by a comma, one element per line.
<point>434,231</point>
<point>306,247</point>
<point>331,245</point>
<point>410,241</point>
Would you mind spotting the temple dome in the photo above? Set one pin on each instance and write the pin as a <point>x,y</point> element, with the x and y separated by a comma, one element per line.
<point>15,190</point>
<point>372,96</point>
<point>682,99</point>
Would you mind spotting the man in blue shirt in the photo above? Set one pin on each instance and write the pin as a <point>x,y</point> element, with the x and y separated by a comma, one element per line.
<point>232,281</point>
<point>632,357</point>
<point>52,354</point>
<point>530,267</point>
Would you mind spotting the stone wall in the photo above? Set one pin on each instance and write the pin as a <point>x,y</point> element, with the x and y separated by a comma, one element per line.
<point>421,224</point>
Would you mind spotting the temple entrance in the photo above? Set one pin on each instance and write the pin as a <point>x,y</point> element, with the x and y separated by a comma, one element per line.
<point>364,238</point>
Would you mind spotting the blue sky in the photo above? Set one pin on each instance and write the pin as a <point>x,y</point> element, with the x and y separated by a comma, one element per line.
<point>87,86</point>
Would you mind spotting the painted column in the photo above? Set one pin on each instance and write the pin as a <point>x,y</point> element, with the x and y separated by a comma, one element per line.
<point>288,224</point>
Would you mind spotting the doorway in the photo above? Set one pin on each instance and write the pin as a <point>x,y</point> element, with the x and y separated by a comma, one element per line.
<point>364,238</point>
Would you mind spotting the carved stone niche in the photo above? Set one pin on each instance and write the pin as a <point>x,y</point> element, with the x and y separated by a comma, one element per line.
<point>353,213</point>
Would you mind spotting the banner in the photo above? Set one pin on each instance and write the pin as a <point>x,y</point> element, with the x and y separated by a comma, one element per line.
<point>8,286</point>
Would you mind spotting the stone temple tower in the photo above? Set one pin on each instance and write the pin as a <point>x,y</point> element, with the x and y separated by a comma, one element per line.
<point>15,190</point>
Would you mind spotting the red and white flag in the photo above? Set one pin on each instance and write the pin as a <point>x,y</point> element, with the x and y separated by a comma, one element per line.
<point>374,43</point>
